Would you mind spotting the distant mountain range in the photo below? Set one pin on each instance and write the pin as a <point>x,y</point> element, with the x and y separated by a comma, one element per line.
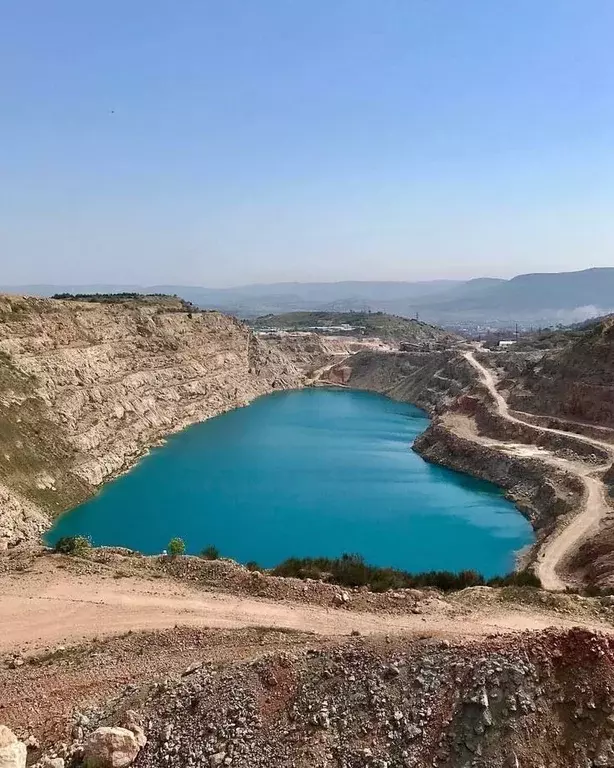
<point>532,299</point>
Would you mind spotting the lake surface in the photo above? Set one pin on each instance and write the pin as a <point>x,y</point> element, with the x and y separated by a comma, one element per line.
<point>306,473</point>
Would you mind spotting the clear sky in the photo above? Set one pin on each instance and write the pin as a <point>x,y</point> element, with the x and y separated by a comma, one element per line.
<point>232,141</point>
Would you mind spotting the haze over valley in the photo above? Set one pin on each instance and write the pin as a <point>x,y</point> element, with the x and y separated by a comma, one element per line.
<point>537,300</point>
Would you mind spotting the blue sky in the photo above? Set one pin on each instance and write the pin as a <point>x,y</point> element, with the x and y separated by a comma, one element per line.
<point>236,141</point>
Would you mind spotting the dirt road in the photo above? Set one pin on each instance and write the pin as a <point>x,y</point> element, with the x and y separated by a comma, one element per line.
<point>51,605</point>
<point>595,505</point>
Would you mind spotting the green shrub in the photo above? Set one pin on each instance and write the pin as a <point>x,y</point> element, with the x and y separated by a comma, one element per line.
<point>516,579</point>
<point>210,553</point>
<point>73,545</point>
<point>176,547</point>
<point>252,565</point>
<point>352,571</point>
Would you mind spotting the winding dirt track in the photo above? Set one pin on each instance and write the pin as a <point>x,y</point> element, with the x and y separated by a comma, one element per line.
<point>48,605</point>
<point>595,505</point>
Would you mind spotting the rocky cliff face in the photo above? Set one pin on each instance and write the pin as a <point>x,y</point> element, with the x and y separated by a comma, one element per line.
<point>542,493</point>
<point>429,379</point>
<point>312,351</point>
<point>86,388</point>
<point>537,700</point>
<point>576,382</point>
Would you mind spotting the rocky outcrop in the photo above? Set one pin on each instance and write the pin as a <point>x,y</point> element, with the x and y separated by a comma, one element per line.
<point>52,762</point>
<point>12,751</point>
<point>593,562</point>
<point>536,700</point>
<point>110,748</point>
<point>86,388</point>
<point>20,518</point>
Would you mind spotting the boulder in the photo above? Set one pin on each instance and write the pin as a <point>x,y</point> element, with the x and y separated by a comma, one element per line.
<point>12,751</point>
<point>132,722</point>
<point>139,735</point>
<point>341,598</point>
<point>110,748</point>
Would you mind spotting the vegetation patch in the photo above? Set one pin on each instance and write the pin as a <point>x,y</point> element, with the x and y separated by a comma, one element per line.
<point>73,545</point>
<point>174,302</point>
<point>352,571</point>
<point>210,553</point>
<point>176,547</point>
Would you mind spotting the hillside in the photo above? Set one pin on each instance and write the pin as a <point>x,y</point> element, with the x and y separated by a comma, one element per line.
<point>310,352</point>
<point>87,387</point>
<point>538,299</point>
<point>380,324</point>
<point>575,380</point>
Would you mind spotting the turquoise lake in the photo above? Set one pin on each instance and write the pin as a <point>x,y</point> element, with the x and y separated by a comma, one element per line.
<point>306,473</point>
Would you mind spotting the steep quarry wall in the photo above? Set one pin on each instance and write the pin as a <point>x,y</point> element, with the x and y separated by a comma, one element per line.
<point>86,388</point>
<point>429,379</point>
<point>312,351</point>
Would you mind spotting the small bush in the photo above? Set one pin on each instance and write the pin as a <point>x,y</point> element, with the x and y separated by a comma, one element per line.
<point>516,579</point>
<point>176,547</point>
<point>210,553</point>
<point>252,565</point>
<point>73,545</point>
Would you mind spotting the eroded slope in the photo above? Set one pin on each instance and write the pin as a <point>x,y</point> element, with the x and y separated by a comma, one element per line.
<point>575,382</point>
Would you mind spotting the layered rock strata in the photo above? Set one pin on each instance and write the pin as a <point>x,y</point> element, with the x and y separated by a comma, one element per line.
<point>86,388</point>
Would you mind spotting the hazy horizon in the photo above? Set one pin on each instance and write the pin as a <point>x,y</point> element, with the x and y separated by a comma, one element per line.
<point>144,284</point>
<point>225,144</point>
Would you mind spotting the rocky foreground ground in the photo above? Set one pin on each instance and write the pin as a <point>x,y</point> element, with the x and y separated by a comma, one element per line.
<point>345,678</point>
<point>265,698</point>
